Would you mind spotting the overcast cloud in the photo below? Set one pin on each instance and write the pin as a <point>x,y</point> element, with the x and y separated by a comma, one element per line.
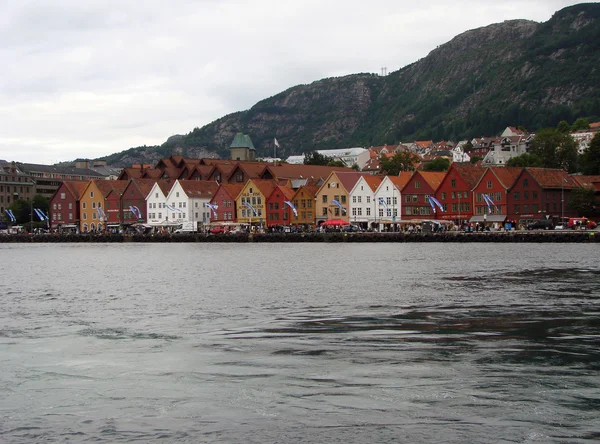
<point>95,77</point>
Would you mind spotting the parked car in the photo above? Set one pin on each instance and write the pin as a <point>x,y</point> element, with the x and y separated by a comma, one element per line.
<point>542,224</point>
<point>560,226</point>
<point>352,229</point>
<point>582,223</point>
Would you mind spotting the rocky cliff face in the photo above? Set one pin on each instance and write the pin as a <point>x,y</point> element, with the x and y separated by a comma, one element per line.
<point>517,72</point>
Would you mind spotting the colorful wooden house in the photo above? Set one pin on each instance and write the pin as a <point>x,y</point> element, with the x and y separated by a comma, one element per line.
<point>332,199</point>
<point>278,212</point>
<point>64,206</point>
<point>416,193</point>
<point>304,202</point>
<point>455,192</point>
<point>490,195</point>
<point>224,201</point>
<point>134,198</point>
<point>251,202</point>
<point>541,193</point>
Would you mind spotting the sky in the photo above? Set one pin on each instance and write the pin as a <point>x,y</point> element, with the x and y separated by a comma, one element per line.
<point>84,79</point>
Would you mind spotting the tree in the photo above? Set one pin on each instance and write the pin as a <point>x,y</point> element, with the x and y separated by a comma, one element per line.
<point>563,127</point>
<point>315,158</point>
<point>336,163</point>
<point>580,124</point>
<point>356,167</point>
<point>525,160</point>
<point>439,164</point>
<point>590,159</point>
<point>583,200</point>
<point>402,161</point>
<point>476,159</point>
<point>556,150</point>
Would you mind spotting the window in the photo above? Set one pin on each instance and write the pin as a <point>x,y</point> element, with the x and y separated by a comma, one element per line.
<point>91,194</point>
<point>324,198</point>
<point>353,199</point>
<point>177,194</point>
<point>324,211</point>
<point>489,184</point>
<point>525,195</point>
<point>443,195</point>
<point>368,211</point>
<point>84,205</point>
<point>407,198</point>
<point>418,184</point>
<point>63,196</point>
<point>415,198</point>
<point>359,199</point>
<point>353,211</point>
<point>525,182</point>
<point>517,209</point>
<point>368,199</point>
<point>498,197</point>
<point>516,195</point>
<point>453,183</point>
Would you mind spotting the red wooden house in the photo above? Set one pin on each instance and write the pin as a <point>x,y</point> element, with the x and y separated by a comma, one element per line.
<point>416,192</point>
<point>135,195</point>
<point>541,193</point>
<point>279,213</point>
<point>494,185</point>
<point>455,191</point>
<point>224,199</point>
<point>112,202</point>
<point>64,205</point>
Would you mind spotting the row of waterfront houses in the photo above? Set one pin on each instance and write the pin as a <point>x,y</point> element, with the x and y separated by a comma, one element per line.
<point>465,193</point>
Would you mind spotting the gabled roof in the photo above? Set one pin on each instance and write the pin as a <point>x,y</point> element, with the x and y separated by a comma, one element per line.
<point>165,185</point>
<point>233,189</point>
<point>203,170</point>
<point>433,178</point>
<point>106,186</point>
<point>199,188</point>
<point>349,179</point>
<point>373,181</point>
<point>288,192</point>
<point>292,171</point>
<point>266,186</point>
<point>506,175</point>
<point>75,188</point>
<point>144,185</point>
<point>401,179</point>
<point>152,174</point>
<point>251,169</point>
<point>552,178</point>
<point>309,190</point>
<point>468,172</point>
<point>589,181</point>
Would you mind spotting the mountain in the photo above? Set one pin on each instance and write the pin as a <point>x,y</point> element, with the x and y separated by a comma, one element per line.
<point>517,73</point>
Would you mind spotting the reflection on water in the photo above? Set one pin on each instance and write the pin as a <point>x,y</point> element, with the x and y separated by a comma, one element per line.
<point>256,343</point>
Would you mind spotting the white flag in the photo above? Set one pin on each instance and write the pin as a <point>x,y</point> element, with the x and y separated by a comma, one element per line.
<point>276,143</point>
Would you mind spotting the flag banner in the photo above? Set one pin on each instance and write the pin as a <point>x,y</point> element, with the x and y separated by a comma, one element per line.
<point>247,204</point>
<point>177,210</point>
<point>432,205</point>
<point>437,203</point>
<point>138,212</point>
<point>335,202</point>
<point>489,202</point>
<point>291,205</point>
<point>276,143</point>
<point>47,216</point>
<point>213,207</point>
<point>383,203</point>
<point>11,216</point>
<point>40,215</point>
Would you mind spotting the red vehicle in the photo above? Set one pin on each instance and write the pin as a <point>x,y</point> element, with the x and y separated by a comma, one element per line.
<point>217,230</point>
<point>582,223</point>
